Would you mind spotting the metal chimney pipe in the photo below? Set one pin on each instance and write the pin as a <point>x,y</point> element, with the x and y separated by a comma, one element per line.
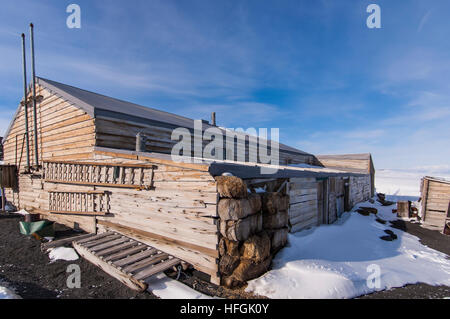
<point>213,118</point>
<point>24,66</point>
<point>33,74</point>
<point>140,142</point>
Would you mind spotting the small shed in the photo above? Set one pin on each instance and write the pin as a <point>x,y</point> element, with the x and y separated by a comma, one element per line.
<point>435,193</point>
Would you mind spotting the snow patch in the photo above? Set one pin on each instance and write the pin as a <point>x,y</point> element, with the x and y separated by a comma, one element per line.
<point>62,253</point>
<point>22,212</point>
<point>168,288</point>
<point>6,293</point>
<point>332,261</point>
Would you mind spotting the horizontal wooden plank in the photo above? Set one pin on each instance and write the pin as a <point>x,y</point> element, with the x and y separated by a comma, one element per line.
<point>169,240</point>
<point>68,212</point>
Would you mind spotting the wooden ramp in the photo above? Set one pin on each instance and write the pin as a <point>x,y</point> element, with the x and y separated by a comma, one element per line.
<point>125,259</point>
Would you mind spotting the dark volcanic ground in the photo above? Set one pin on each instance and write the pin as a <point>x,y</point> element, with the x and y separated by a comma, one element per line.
<point>25,269</point>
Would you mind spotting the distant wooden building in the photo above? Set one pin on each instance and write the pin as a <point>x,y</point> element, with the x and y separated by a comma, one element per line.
<point>435,198</point>
<point>89,175</point>
<point>357,163</point>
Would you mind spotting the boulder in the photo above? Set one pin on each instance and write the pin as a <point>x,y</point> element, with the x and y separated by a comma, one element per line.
<point>231,187</point>
<point>256,248</point>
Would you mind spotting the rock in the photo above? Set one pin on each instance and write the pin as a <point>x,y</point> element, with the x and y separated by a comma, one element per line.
<point>371,210</point>
<point>231,187</point>
<point>391,233</point>
<point>278,238</point>
<point>390,237</point>
<point>387,203</point>
<point>237,230</point>
<point>273,202</point>
<point>228,264</point>
<point>381,221</point>
<point>363,212</point>
<point>275,221</point>
<point>256,248</point>
<point>366,211</point>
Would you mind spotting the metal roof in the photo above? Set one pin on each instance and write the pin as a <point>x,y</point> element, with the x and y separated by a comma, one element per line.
<point>97,104</point>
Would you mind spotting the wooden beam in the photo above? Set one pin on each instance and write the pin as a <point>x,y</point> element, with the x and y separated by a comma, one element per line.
<point>66,212</point>
<point>129,230</point>
<point>62,242</point>
<point>137,187</point>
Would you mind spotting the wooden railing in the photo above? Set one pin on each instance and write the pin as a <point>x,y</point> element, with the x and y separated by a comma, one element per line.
<point>99,174</point>
<point>79,203</point>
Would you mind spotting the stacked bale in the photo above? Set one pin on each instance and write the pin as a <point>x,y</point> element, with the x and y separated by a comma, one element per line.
<point>275,219</point>
<point>249,237</point>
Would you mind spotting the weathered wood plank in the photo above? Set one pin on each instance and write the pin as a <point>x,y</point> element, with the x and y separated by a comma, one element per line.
<point>111,270</point>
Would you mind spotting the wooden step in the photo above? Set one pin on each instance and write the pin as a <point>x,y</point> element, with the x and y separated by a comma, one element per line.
<point>125,259</point>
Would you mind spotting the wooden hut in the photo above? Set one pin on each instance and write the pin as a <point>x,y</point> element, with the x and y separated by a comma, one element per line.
<point>357,163</point>
<point>89,175</point>
<point>435,198</point>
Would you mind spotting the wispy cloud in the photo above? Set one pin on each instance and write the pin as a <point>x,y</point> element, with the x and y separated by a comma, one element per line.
<point>311,68</point>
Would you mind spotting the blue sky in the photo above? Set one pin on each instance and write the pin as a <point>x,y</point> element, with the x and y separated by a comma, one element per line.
<point>311,68</point>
